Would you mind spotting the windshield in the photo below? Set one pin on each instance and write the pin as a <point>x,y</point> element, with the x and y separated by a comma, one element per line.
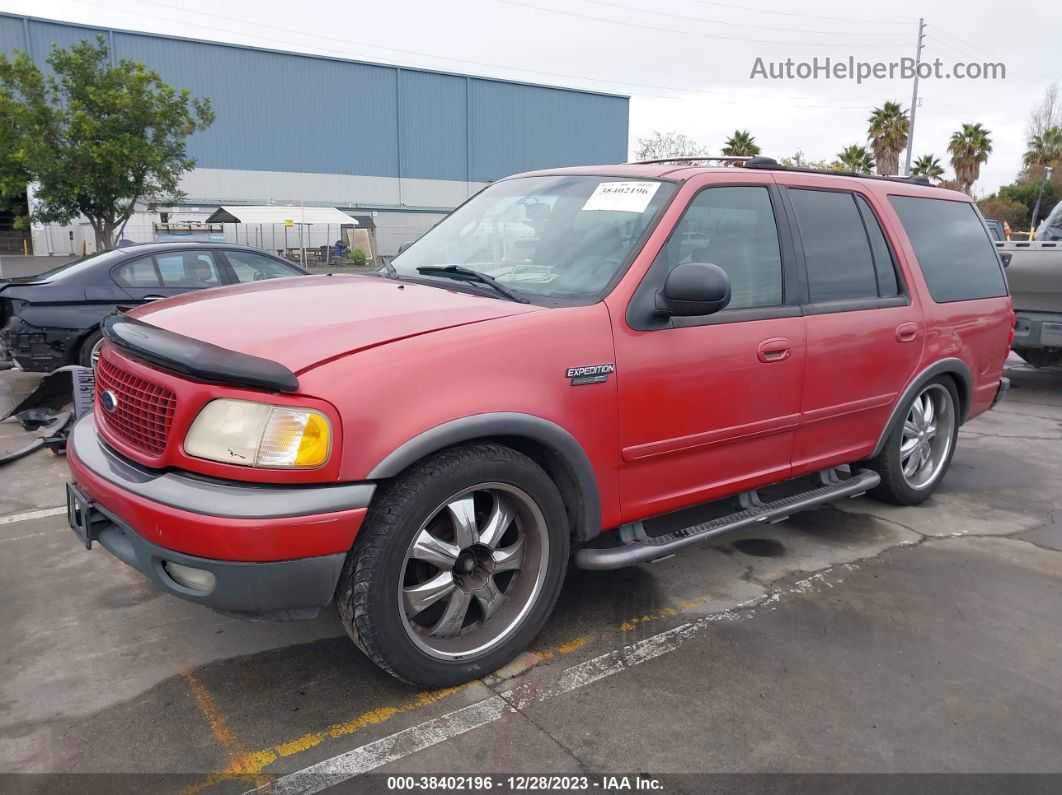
<point>560,238</point>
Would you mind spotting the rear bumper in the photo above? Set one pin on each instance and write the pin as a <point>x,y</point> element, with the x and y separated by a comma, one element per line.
<point>274,551</point>
<point>1037,330</point>
<point>36,350</point>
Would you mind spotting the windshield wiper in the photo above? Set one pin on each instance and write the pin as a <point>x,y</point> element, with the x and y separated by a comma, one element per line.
<point>468,273</point>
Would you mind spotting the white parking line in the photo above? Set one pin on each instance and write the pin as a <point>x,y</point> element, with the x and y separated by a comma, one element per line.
<point>27,515</point>
<point>432,732</point>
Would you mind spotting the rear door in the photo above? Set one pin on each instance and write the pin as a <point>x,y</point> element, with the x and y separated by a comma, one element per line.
<point>168,273</point>
<point>709,405</point>
<point>865,333</point>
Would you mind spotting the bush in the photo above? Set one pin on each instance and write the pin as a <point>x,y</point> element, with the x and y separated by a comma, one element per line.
<point>357,257</point>
<point>1002,208</point>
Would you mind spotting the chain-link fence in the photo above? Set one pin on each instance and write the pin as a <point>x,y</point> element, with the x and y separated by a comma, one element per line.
<point>15,241</point>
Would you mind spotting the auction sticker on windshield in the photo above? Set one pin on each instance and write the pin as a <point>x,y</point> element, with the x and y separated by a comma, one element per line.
<point>625,197</point>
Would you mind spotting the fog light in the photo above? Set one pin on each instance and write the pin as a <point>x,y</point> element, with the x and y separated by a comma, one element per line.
<point>196,579</point>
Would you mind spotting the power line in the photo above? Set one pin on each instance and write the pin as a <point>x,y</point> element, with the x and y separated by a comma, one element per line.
<point>804,16</point>
<point>979,52</point>
<point>733,24</point>
<point>686,32</point>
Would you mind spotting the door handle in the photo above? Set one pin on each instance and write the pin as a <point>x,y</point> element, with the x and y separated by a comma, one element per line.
<point>776,349</point>
<point>907,332</point>
<point>153,297</point>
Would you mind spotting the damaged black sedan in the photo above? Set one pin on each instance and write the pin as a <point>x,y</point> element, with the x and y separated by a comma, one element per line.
<point>53,319</point>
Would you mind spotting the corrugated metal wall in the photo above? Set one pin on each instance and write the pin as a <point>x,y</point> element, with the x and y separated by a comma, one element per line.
<point>286,112</point>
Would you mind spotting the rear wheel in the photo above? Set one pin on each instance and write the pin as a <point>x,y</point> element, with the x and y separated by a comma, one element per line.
<point>457,566</point>
<point>918,451</point>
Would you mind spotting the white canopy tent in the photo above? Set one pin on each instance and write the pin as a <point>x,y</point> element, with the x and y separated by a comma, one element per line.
<point>286,216</point>
<point>271,214</point>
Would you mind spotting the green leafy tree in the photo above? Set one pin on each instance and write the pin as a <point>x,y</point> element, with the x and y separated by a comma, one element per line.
<point>1013,212</point>
<point>887,133</point>
<point>928,166</point>
<point>741,144</point>
<point>1045,148</point>
<point>97,138</point>
<point>856,158</point>
<point>969,148</point>
<point>1025,193</point>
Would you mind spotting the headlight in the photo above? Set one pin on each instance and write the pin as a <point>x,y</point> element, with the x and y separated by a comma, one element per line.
<point>260,435</point>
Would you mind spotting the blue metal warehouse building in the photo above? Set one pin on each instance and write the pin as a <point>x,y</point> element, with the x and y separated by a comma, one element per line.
<point>398,145</point>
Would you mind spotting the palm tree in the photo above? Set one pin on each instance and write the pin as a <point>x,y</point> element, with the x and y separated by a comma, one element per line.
<point>856,158</point>
<point>741,144</point>
<point>928,166</point>
<point>889,127</point>
<point>969,148</point>
<point>1044,148</point>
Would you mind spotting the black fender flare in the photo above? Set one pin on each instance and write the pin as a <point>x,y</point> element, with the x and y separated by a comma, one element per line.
<point>954,367</point>
<point>507,424</point>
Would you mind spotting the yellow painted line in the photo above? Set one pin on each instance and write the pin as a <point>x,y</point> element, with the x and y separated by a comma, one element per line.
<point>664,612</point>
<point>251,764</point>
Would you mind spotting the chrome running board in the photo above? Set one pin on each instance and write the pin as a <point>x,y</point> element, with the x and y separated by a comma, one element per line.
<point>638,547</point>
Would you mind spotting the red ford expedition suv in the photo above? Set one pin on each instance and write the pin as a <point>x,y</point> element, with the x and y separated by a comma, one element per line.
<point>612,362</point>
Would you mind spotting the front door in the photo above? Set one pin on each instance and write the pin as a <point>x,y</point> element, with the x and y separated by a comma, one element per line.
<point>710,405</point>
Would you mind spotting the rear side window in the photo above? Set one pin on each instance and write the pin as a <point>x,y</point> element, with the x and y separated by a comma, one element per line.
<point>138,273</point>
<point>836,249</point>
<point>188,269</point>
<point>957,257</point>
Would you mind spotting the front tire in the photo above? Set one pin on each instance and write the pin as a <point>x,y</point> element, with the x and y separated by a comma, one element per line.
<point>918,451</point>
<point>457,566</point>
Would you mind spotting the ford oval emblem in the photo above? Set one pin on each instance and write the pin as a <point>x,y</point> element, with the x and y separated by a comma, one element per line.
<point>109,401</point>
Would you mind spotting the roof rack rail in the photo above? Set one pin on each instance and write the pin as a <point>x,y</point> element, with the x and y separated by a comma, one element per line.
<point>691,159</point>
<point>769,163</point>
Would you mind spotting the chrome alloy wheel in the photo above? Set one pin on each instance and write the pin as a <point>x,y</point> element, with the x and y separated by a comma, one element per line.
<point>473,571</point>
<point>94,354</point>
<point>927,435</point>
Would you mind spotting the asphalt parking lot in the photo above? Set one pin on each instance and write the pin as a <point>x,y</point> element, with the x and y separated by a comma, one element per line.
<point>856,638</point>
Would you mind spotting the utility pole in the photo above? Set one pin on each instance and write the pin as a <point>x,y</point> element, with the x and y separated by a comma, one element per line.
<point>914,95</point>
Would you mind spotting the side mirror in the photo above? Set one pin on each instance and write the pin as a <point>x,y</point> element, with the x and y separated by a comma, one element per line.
<point>1006,257</point>
<point>404,246</point>
<point>694,288</point>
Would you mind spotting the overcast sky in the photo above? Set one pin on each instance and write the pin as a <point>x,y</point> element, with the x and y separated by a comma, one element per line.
<point>686,64</point>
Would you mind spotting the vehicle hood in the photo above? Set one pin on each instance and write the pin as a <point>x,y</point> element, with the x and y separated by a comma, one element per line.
<point>303,321</point>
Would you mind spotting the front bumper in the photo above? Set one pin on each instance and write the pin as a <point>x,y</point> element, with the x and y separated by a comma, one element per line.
<point>274,551</point>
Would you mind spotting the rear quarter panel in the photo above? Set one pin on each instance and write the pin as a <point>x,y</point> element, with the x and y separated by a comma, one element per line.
<point>977,332</point>
<point>390,394</point>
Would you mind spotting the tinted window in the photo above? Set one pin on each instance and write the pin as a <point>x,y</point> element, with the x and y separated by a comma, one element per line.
<point>251,267</point>
<point>188,269</point>
<point>957,257</point>
<point>138,273</point>
<point>836,249</point>
<point>884,265</point>
<point>734,229</point>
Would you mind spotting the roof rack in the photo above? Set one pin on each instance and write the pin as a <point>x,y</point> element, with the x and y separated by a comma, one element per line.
<point>770,164</point>
<point>698,159</point>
